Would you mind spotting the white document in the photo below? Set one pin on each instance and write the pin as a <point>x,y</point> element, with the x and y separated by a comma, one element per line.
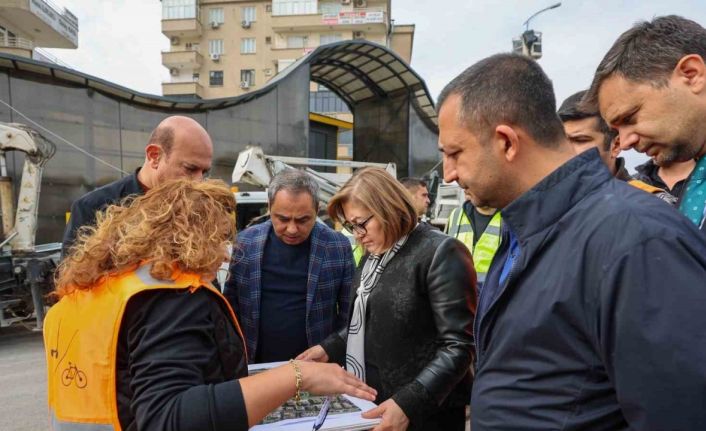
<point>343,415</point>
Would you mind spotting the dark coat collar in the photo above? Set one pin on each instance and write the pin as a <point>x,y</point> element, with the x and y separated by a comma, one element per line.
<point>621,172</point>
<point>132,185</point>
<point>555,195</point>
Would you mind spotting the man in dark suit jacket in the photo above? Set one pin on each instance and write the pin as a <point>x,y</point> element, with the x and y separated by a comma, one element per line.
<point>290,282</point>
<point>179,147</point>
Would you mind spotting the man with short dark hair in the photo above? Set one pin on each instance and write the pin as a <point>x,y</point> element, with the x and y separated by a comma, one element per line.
<point>585,129</point>
<point>420,194</point>
<point>291,276</point>
<point>179,147</point>
<point>591,315</point>
<point>651,87</point>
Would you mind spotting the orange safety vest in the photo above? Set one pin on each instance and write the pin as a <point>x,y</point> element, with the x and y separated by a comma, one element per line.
<point>81,339</point>
<point>645,187</point>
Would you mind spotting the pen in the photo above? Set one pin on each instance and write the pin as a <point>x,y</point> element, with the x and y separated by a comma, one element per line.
<point>319,422</point>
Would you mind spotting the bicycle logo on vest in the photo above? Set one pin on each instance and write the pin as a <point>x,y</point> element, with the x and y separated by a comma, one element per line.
<point>73,374</point>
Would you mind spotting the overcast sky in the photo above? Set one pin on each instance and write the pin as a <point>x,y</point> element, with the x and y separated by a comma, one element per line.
<point>121,41</point>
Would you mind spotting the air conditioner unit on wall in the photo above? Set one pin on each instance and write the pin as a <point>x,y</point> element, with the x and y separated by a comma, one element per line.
<point>244,84</point>
<point>174,71</point>
<point>215,57</point>
<point>174,40</point>
<point>215,24</point>
<point>360,3</point>
<point>245,24</point>
<point>358,35</point>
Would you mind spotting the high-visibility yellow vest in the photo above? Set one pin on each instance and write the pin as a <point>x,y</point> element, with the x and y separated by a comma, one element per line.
<point>459,227</point>
<point>358,250</point>
<point>81,339</point>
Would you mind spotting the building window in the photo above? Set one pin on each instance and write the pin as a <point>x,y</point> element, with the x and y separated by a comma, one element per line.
<point>247,45</point>
<point>248,13</point>
<point>179,9</point>
<point>247,77</point>
<point>330,8</point>
<point>215,46</point>
<point>325,101</point>
<point>294,7</point>
<point>283,64</point>
<point>297,41</point>
<point>215,78</point>
<point>330,38</point>
<point>216,15</point>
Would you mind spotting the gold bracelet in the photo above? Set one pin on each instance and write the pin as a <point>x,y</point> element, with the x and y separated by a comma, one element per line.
<point>298,377</point>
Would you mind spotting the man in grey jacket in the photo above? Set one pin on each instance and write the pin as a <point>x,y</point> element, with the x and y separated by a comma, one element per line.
<point>592,313</point>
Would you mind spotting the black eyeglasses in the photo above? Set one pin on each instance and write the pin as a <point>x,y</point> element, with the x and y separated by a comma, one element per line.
<point>358,228</point>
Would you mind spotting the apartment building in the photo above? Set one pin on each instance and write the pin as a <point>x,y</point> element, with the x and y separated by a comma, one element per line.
<point>27,25</point>
<point>228,48</point>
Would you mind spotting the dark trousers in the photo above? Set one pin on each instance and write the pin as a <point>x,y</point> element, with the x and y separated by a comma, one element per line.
<point>452,419</point>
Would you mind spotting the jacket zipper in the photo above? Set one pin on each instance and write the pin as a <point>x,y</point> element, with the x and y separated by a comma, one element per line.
<point>508,280</point>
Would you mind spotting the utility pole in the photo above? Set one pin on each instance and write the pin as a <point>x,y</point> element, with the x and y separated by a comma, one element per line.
<point>529,43</point>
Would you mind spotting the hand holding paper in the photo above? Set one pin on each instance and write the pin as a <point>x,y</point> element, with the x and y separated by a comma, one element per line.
<point>393,418</point>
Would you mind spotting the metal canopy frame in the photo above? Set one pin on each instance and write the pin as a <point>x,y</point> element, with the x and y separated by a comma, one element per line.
<point>355,70</point>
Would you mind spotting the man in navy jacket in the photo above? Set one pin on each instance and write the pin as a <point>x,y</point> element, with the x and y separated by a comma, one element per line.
<point>291,276</point>
<point>592,313</point>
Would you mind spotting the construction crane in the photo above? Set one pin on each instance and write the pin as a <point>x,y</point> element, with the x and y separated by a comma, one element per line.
<point>25,268</point>
<point>256,168</point>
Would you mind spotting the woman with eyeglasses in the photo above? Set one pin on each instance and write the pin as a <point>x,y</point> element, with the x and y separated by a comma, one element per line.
<point>410,334</point>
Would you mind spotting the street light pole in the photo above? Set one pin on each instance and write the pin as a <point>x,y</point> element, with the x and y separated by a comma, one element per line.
<point>554,6</point>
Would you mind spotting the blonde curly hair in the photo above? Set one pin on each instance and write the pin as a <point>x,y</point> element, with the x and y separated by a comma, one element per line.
<point>180,224</point>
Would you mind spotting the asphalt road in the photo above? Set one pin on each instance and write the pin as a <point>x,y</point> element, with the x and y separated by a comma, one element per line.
<point>23,394</point>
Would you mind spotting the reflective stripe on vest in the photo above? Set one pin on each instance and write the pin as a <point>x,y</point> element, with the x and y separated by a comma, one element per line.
<point>487,245</point>
<point>81,338</point>
<point>57,425</point>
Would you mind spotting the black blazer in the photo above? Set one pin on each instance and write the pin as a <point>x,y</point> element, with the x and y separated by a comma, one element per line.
<point>419,322</point>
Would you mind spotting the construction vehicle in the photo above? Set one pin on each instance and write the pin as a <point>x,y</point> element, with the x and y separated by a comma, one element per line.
<point>444,197</point>
<point>26,270</point>
<point>255,168</point>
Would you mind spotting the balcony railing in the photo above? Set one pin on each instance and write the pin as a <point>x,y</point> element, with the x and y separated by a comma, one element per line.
<point>16,42</point>
<point>186,58</point>
<point>184,27</point>
<point>183,89</point>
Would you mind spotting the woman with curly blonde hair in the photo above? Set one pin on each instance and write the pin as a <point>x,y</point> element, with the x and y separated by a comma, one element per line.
<point>141,340</point>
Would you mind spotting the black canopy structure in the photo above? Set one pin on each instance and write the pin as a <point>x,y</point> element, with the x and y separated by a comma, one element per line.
<point>394,119</point>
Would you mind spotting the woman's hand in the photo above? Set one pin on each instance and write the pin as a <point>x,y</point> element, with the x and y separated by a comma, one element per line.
<point>393,418</point>
<point>316,354</point>
<point>330,379</point>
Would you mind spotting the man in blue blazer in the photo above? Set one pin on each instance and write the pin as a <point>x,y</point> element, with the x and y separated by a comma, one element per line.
<point>290,277</point>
